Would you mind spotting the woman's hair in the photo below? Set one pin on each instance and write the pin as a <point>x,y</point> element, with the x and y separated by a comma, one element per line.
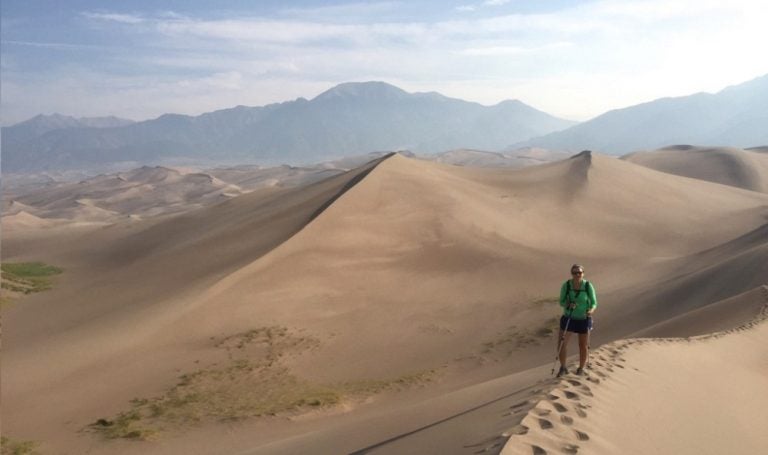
<point>577,266</point>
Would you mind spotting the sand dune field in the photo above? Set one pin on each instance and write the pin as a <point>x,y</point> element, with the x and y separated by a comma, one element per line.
<point>730,166</point>
<point>404,306</point>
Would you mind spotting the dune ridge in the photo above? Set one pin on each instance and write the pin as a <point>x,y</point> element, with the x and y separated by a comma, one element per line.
<point>697,395</point>
<point>742,168</point>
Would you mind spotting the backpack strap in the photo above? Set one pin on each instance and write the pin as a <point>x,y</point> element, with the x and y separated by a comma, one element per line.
<point>585,289</point>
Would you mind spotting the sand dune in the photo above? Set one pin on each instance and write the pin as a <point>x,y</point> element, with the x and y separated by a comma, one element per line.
<point>398,269</point>
<point>146,191</point>
<point>701,395</point>
<point>478,158</point>
<point>746,169</point>
<point>250,178</point>
<point>22,219</point>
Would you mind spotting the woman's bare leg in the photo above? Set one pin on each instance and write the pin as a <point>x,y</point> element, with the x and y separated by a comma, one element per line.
<point>583,346</point>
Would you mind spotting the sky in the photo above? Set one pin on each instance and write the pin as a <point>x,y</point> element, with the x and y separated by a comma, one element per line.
<point>574,59</point>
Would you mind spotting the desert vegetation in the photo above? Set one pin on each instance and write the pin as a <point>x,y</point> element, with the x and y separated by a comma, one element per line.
<point>9,446</point>
<point>21,278</point>
<point>253,383</point>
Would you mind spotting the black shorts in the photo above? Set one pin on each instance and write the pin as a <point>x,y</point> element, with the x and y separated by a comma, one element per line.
<point>576,325</point>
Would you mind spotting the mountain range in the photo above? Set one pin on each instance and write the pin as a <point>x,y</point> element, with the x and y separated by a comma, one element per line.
<point>363,117</point>
<point>349,119</point>
<point>736,116</point>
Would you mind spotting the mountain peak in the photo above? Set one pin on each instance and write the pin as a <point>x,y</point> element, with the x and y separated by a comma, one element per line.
<point>373,90</point>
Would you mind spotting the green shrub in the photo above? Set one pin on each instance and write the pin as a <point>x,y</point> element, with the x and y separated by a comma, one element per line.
<point>10,447</point>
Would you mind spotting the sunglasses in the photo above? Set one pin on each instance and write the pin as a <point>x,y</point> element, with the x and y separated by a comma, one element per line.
<point>577,272</point>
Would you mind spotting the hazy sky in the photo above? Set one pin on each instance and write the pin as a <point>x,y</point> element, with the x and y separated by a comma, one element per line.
<point>576,59</point>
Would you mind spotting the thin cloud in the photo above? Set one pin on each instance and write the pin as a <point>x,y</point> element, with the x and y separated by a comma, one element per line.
<point>59,46</point>
<point>576,61</point>
<point>344,12</point>
<point>115,17</point>
<point>495,50</point>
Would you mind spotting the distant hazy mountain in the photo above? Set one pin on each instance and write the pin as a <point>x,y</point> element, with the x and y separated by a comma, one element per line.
<point>736,116</point>
<point>348,119</point>
<point>42,124</point>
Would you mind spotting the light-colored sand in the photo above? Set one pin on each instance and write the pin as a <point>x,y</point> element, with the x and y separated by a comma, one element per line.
<point>746,169</point>
<point>417,266</point>
<point>700,395</point>
<point>142,192</point>
<point>516,158</point>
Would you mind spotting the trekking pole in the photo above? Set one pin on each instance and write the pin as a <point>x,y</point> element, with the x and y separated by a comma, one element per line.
<point>589,344</point>
<point>561,342</point>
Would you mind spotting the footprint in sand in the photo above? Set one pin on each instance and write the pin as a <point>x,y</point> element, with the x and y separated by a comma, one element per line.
<point>519,430</point>
<point>545,424</point>
<point>553,397</point>
<point>568,420</point>
<point>538,450</point>
<point>559,407</point>
<point>581,435</point>
<point>571,396</point>
<point>570,448</point>
<point>580,412</point>
<point>596,380</point>
<point>543,412</point>
<point>573,382</point>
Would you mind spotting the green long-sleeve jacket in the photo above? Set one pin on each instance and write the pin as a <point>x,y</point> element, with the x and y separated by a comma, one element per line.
<point>584,298</point>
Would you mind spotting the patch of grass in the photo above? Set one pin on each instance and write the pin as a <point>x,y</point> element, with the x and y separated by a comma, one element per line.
<point>27,277</point>
<point>548,328</point>
<point>513,338</point>
<point>372,387</point>
<point>10,447</point>
<point>126,425</point>
<point>252,384</point>
<point>509,340</point>
<point>30,269</point>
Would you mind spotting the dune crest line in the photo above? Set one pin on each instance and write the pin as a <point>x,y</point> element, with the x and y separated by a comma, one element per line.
<point>652,384</point>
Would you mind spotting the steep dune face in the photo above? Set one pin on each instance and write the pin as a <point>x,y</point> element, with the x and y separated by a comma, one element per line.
<point>419,245</point>
<point>147,262</point>
<point>746,169</point>
<point>107,331</point>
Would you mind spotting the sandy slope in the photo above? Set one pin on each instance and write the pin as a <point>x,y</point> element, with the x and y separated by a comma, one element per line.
<point>701,395</point>
<point>455,258</point>
<point>142,192</point>
<point>727,165</point>
<point>416,266</point>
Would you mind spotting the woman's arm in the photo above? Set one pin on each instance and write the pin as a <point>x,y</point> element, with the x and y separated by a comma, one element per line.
<point>563,294</point>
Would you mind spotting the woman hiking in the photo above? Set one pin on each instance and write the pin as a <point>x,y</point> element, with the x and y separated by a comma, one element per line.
<point>578,300</point>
